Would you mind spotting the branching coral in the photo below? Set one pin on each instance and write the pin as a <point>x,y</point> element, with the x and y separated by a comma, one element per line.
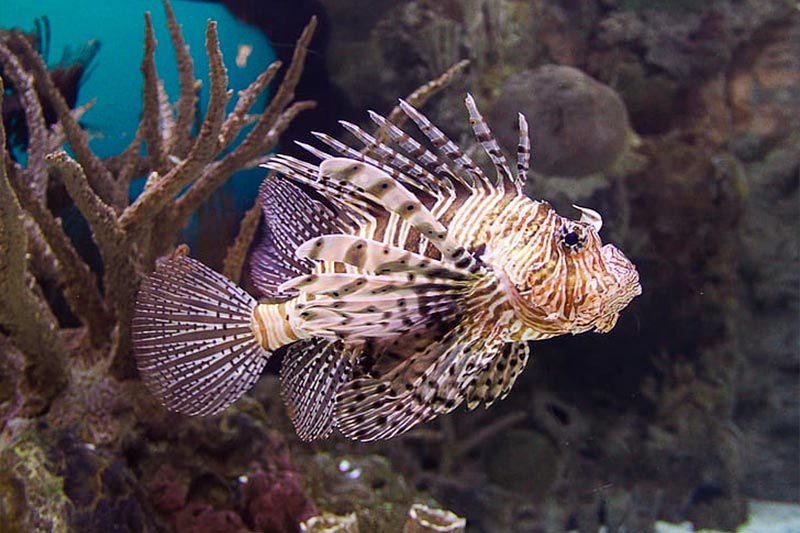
<point>184,168</point>
<point>24,316</point>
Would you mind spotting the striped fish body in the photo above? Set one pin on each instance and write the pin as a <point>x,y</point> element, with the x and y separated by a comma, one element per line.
<point>403,280</point>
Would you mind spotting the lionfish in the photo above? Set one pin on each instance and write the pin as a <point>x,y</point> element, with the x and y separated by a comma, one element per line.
<point>402,279</point>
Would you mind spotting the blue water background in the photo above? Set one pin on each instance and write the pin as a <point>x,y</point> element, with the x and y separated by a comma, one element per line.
<point>115,79</point>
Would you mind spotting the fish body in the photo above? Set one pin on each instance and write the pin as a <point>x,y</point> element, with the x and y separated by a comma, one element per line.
<point>403,280</point>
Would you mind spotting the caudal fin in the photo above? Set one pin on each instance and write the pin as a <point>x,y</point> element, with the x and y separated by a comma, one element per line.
<point>194,345</point>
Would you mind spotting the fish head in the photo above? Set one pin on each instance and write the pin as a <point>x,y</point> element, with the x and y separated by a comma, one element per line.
<point>579,283</point>
<point>619,293</point>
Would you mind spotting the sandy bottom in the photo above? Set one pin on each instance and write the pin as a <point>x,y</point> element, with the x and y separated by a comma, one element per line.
<point>765,517</point>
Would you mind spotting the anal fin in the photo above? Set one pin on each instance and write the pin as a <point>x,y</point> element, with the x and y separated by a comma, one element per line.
<point>311,375</point>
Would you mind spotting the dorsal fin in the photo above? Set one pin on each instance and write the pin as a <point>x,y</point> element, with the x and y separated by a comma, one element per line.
<point>523,154</point>
<point>401,165</point>
<point>294,217</point>
<point>373,183</point>
<point>418,185</point>
<point>485,136</point>
<point>270,266</point>
<point>355,208</point>
<point>447,147</point>
<point>418,154</point>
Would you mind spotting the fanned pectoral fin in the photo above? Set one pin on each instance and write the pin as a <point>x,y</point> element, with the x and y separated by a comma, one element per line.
<point>427,384</point>
<point>356,307</point>
<point>192,339</point>
<point>294,217</point>
<point>291,217</point>
<point>377,257</point>
<point>496,381</point>
<point>357,320</point>
<point>311,375</point>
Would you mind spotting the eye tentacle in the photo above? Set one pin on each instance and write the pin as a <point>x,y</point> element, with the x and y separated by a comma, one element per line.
<point>590,216</point>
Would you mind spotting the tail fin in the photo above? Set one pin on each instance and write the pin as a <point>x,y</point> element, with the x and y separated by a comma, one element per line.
<point>192,337</point>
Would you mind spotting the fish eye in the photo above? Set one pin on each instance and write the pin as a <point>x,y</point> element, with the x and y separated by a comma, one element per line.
<point>572,238</point>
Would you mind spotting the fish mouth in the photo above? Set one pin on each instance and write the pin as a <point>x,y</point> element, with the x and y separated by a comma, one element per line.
<point>626,276</point>
<point>622,269</point>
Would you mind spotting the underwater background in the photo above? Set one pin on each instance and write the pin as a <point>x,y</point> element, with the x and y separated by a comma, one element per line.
<point>107,36</point>
<point>676,120</point>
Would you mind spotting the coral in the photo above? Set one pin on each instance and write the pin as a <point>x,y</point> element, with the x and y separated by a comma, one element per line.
<point>331,523</point>
<point>129,237</point>
<point>276,501</point>
<point>105,414</point>
<point>422,518</point>
<point>366,485</point>
<point>168,488</point>
<point>24,315</point>
<point>200,517</point>
<point>231,472</point>
<point>52,481</point>
<point>11,366</point>
<point>30,490</point>
<point>82,445</point>
<point>67,76</point>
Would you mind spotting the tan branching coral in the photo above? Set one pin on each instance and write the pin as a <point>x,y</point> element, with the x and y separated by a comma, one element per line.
<point>129,236</point>
<point>23,314</point>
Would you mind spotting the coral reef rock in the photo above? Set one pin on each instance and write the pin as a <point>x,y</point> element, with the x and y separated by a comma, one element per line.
<point>580,125</point>
<point>53,481</point>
